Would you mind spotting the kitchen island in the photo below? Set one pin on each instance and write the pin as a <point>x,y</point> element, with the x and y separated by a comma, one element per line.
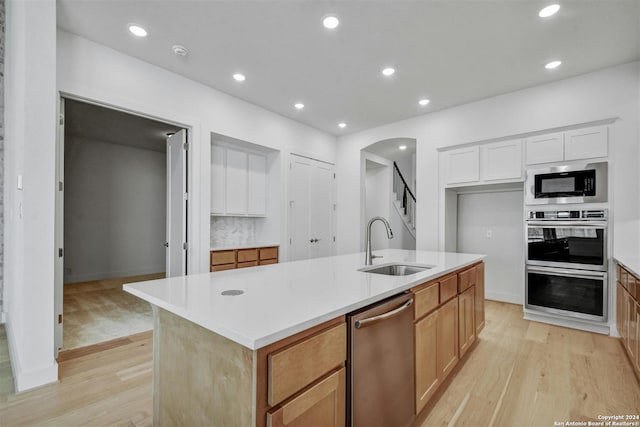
<point>241,347</point>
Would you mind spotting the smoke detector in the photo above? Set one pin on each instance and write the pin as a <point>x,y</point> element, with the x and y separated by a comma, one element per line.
<point>180,50</point>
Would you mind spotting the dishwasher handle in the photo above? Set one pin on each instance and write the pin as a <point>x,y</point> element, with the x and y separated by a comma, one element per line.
<point>364,322</point>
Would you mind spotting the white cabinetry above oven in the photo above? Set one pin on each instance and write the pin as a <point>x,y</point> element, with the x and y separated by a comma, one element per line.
<point>488,163</point>
<point>577,144</point>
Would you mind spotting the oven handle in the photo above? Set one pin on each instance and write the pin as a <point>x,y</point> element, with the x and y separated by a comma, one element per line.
<point>551,224</point>
<point>583,274</point>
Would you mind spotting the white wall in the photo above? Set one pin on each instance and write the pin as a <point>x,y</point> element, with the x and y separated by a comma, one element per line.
<point>115,210</point>
<point>502,214</point>
<point>95,72</point>
<point>30,135</point>
<point>378,195</point>
<point>608,93</point>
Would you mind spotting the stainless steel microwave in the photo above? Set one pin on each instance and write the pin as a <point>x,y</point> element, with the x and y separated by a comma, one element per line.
<point>586,183</point>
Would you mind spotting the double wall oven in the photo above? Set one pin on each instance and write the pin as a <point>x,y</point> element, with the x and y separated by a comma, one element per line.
<point>566,263</point>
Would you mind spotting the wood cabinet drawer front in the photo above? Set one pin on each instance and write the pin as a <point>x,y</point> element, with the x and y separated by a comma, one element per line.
<point>295,367</point>
<point>623,278</point>
<point>247,264</point>
<point>223,267</point>
<point>448,288</point>
<point>324,404</point>
<point>268,261</point>
<point>466,279</point>
<point>245,255</point>
<point>223,257</point>
<point>426,300</point>
<point>268,253</point>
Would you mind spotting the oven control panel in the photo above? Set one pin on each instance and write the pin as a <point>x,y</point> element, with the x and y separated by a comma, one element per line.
<point>575,215</point>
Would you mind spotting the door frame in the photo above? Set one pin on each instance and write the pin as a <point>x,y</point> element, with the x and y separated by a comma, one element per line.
<point>334,228</point>
<point>197,218</point>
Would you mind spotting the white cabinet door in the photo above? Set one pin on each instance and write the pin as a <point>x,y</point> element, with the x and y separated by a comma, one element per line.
<point>501,160</point>
<point>545,148</point>
<point>218,180</point>
<point>257,203</point>
<point>236,182</point>
<point>462,165</point>
<point>586,143</point>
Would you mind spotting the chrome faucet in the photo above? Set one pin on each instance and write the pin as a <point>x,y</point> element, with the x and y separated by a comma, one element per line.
<point>370,256</point>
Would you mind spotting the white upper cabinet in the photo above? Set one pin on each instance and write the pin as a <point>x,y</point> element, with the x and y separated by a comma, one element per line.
<point>545,148</point>
<point>501,161</point>
<point>238,182</point>
<point>218,179</point>
<point>257,185</point>
<point>462,165</point>
<point>587,143</point>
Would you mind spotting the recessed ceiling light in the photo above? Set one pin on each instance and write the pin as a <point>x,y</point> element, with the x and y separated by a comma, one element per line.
<point>423,102</point>
<point>239,77</point>
<point>342,125</point>
<point>180,50</point>
<point>553,64</point>
<point>137,30</point>
<point>403,147</point>
<point>549,10</point>
<point>388,71</point>
<point>330,22</point>
<point>299,105</point>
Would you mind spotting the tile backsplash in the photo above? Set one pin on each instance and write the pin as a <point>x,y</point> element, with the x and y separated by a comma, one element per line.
<point>229,231</point>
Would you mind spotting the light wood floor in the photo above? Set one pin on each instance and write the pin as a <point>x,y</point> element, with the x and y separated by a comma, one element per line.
<point>520,374</point>
<point>100,310</point>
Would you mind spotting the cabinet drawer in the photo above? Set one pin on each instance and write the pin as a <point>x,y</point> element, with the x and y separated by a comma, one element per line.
<point>297,366</point>
<point>448,288</point>
<point>245,255</point>
<point>222,267</point>
<point>223,257</point>
<point>466,279</point>
<point>324,404</point>
<point>426,300</point>
<point>268,253</point>
<point>247,264</point>
<point>268,261</point>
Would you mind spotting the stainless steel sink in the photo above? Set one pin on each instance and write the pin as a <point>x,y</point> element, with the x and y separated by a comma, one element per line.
<point>396,269</point>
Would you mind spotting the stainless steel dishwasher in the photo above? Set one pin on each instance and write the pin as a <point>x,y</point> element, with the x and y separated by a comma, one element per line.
<point>380,364</point>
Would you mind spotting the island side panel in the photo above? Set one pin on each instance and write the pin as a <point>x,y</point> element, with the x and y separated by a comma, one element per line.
<point>199,377</point>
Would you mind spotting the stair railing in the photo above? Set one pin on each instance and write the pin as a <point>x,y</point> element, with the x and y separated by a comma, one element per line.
<point>400,187</point>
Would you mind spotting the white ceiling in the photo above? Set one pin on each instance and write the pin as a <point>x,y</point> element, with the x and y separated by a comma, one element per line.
<point>452,52</point>
<point>97,123</point>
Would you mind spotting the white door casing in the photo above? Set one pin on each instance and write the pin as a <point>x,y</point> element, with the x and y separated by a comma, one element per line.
<point>311,215</point>
<point>176,204</point>
<point>59,234</point>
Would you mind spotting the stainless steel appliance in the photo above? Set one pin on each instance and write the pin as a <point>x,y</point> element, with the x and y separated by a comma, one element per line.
<point>566,256</point>
<point>586,183</point>
<point>380,364</point>
<point>567,239</point>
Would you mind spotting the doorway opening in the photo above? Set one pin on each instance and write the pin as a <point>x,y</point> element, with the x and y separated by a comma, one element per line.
<point>120,218</point>
<point>388,183</point>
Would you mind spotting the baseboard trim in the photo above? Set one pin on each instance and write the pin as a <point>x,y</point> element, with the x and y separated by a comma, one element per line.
<point>503,297</point>
<point>24,381</point>
<point>76,278</point>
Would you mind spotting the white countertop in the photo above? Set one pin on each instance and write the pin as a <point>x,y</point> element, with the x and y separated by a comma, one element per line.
<point>280,300</point>
<point>246,245</point>
<point>629,261</point>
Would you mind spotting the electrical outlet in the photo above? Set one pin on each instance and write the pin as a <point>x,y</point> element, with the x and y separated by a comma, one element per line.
<point>489,234</point>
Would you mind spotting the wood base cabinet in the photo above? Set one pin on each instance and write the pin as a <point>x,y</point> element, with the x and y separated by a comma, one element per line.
<point>239,258</point>
<point>444,328</point>
<point>628,314</point>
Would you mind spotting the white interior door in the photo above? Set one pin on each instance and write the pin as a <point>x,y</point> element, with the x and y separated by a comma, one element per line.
<point>321,210</point>
<point>299,208</point>
<point>310,209</point>
<point>177,204</point>
<point>59,234</point>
